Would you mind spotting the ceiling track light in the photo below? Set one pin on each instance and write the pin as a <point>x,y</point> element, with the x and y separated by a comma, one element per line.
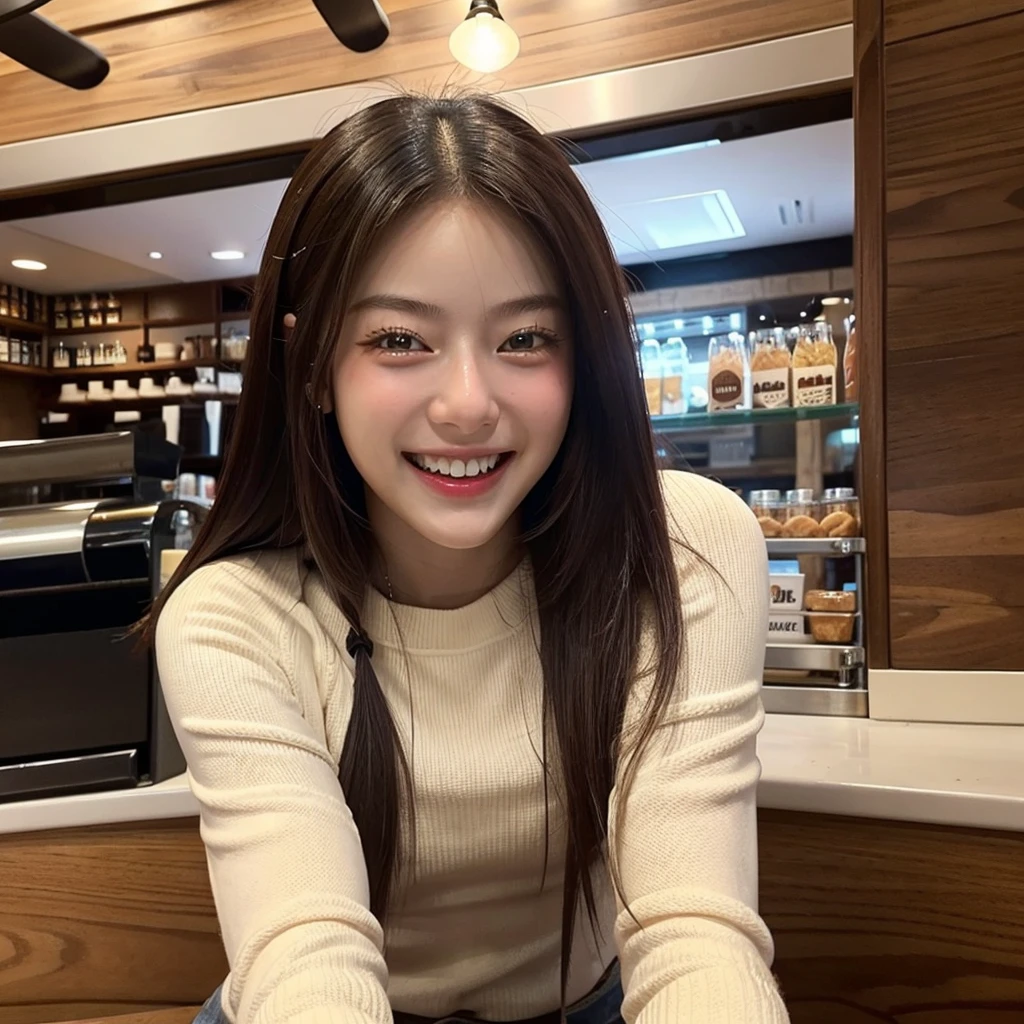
<point>484,41</point>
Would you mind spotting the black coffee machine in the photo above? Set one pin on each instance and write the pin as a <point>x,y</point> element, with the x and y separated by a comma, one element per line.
<point>84,523</point>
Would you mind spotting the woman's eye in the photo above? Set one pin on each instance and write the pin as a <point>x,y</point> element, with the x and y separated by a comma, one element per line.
<point>397,341</point>
<point>523,341</point>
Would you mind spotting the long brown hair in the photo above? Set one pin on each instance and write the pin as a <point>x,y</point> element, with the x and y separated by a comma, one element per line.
<point>594,525</point>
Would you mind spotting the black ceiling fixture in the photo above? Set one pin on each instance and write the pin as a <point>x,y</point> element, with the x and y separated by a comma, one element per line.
<point>359,25</point>
<point>41,46</point>
<point>46,48</point>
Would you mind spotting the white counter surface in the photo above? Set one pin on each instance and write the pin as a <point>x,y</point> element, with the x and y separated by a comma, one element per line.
<point>967,775</point>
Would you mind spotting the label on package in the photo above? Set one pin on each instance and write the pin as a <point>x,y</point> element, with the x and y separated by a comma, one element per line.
<point>726,391</point>
<point>770,387</point>
<point>786,628</point>
<point>814,385</point>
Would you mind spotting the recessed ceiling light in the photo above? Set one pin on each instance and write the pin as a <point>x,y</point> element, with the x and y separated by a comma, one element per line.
<point>228,254</point>
<point>803,312</point>
<point>832,300</point>
<point>154,255</point>
<point>28,264</point>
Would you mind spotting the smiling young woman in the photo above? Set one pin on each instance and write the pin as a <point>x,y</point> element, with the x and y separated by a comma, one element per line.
<point>467,689</point>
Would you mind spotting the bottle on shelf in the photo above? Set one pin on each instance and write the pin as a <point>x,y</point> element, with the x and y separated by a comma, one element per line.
<point>76,313</point>
<point>61,357</point>
<point>84,356</point>
<point>112,310</point>
<point>145,353</point>
<point>850,382</point>
<point>675,361</point>
<point>119,354</point>
<point>653,373</point>
<point>60,314</point>
<point>95,311</point>
<point>5,300</point>
<point>38,309</point>
<point>5,347</point>
<point>14,350</point>
<point>101,355</point>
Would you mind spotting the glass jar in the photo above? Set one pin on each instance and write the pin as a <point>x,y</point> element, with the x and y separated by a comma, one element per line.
<point>674,363</point>
<point>650,367</point>
<point>840,512</point>
<point>800,518</point>
<point>728,373</point>
<point>768,507</point>
<point>769,369</point>
<point>814,365</point>
<point>766,503</point>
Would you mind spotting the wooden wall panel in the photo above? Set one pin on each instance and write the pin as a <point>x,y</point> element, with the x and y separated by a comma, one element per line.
<point>108,920</point>
<point>955,362</point>
<point>905,19</point>
<point>186,57</point>
<point>869,268</point>
<point>873,921</point>
<point>18,398</point>
<point>883,921</point>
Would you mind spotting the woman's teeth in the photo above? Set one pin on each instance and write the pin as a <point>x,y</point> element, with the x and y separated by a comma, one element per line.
<point>456,467</point>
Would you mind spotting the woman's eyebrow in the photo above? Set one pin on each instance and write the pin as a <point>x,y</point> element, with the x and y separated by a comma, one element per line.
<point>428,310</point>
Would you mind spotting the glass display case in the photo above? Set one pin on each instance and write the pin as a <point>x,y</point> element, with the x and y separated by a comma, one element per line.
<point>765,414</point>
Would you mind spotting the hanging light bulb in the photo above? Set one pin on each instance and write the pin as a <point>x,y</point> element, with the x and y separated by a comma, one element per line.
<point>484,41</point>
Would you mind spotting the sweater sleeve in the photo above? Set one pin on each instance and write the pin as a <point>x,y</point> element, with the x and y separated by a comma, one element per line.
<point>286,865</point>
<point>692,945</point>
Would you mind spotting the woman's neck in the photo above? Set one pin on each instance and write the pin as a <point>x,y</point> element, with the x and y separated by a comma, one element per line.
<point>417,572</point>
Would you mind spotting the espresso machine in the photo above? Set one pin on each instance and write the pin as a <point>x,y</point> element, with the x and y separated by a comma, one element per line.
<point>84,524</point>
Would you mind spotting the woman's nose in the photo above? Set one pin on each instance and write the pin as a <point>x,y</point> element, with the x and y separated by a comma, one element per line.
<point>464,399</point>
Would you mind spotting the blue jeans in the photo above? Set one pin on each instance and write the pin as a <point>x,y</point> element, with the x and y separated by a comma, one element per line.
<point>602,1006</point>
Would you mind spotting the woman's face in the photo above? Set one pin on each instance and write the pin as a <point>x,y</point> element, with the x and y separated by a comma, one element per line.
<point>452,381</point>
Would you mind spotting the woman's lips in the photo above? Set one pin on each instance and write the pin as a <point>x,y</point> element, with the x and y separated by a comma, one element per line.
<point>462,486</point>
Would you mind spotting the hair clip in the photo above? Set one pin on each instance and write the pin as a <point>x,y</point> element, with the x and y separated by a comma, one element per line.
<point>293,255</point>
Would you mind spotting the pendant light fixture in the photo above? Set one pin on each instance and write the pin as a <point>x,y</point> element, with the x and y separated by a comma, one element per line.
<point>484,41</point>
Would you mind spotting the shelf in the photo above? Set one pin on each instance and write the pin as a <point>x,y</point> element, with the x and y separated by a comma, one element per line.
<point>828,547</point>
<point>745,417</point>
<point>16,324</point>
<point>759,468</point>
<point>183,321</point>
<point>833,701</point>
<point>814,657</point>
<point>154,402</point>
<point>167,366</point>
<point>24,371</point>
<point>70,332</point>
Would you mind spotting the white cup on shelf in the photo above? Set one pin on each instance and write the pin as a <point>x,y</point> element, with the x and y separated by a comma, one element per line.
<point>97,392</point>
<point>71,393</point>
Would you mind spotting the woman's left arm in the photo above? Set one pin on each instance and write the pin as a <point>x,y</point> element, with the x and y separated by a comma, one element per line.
<point>692,945</point>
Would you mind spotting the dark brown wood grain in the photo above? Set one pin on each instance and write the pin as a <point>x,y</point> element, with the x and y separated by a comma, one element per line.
<point>873,921</point>
<point>905,19</point>
<point>869,296</point>
<point>882,922</point>
<point>19,398</point>
<point>954,376</point>
<point>190,57</point>
<point>105,921</point>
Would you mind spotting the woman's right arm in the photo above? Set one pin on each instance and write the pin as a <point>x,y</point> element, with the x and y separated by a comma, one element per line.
<point>286,865</point>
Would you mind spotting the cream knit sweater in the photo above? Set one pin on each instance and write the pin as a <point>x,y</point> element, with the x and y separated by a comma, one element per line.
<point>252,659</point>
